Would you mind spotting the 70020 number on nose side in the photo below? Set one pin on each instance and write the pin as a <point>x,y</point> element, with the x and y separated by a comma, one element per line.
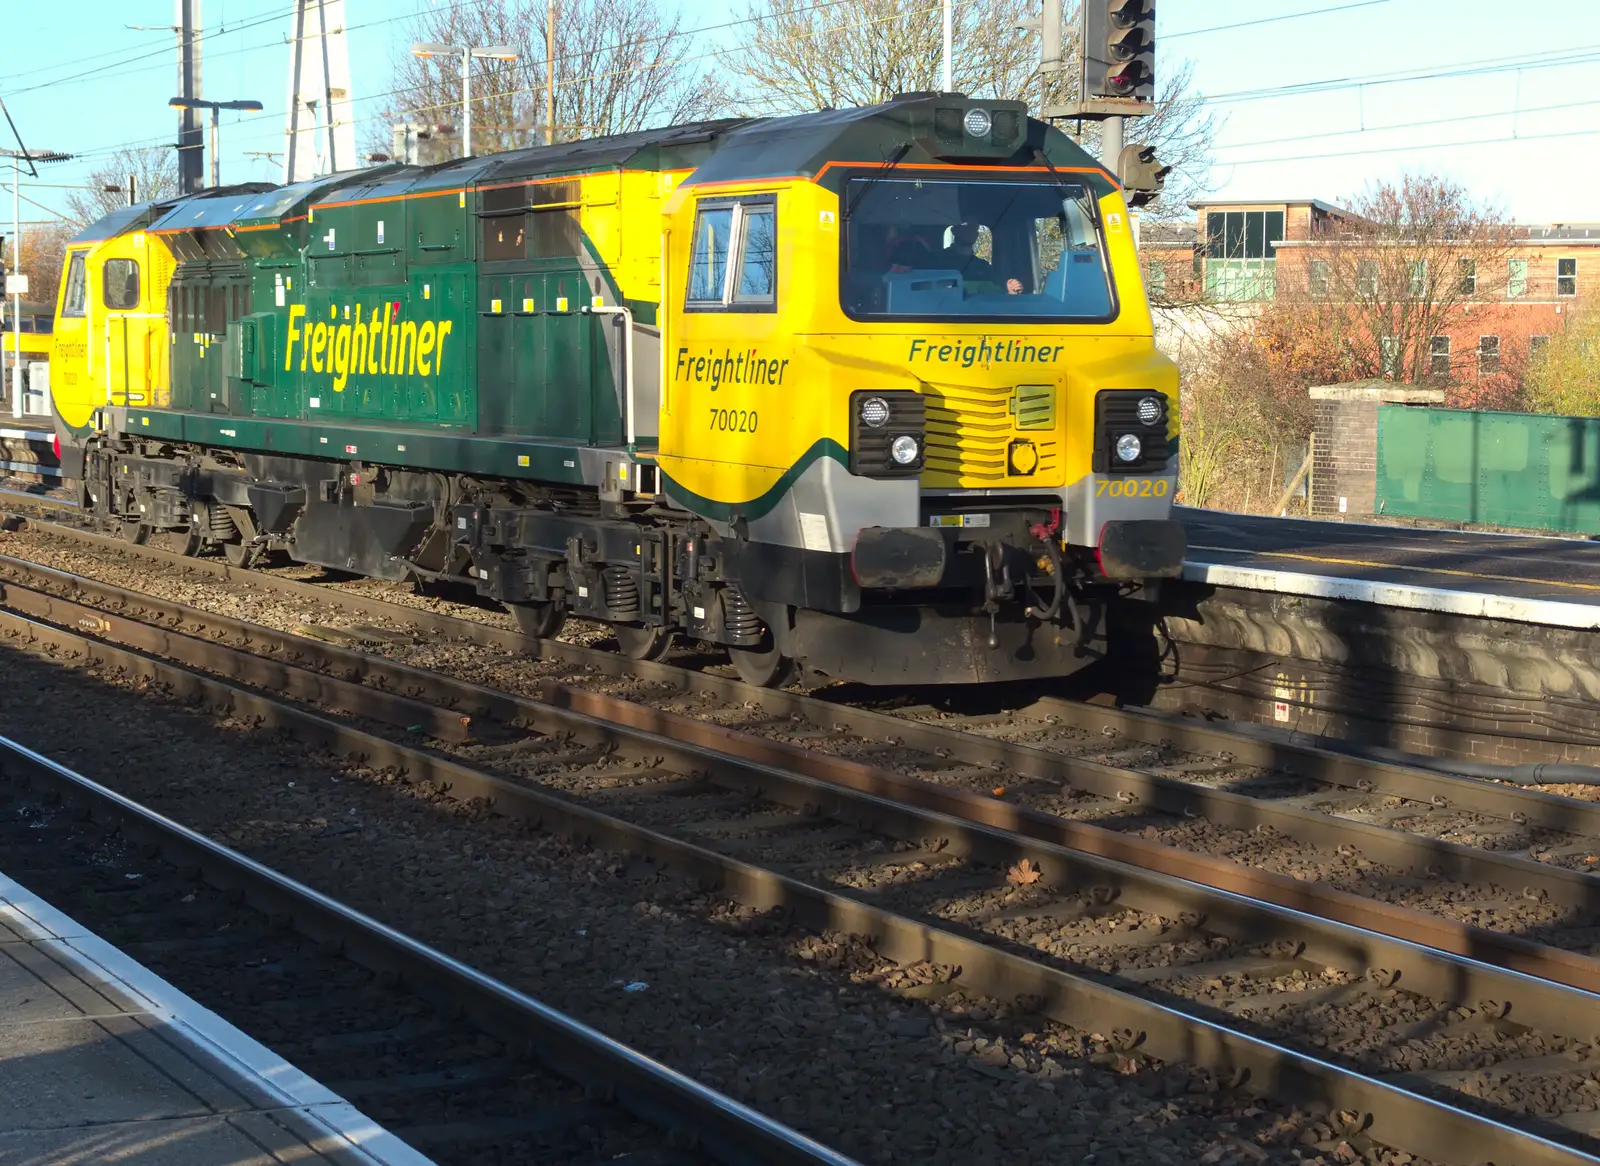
<point>1132,487</point>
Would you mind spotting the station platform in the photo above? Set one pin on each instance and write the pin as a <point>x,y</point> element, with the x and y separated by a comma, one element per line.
<point>102,1061</point>
<point>1523,578</point>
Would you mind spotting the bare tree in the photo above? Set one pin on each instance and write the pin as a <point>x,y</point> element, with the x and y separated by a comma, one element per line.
<point>154,170</point>
<point>619,66</point>
<point>1396,272</point>
<point>793,56</point>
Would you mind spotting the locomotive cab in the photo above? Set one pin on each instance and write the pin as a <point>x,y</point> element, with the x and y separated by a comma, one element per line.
<point>919,397</point>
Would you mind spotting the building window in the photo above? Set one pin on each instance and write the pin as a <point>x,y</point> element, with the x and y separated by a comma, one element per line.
<point>1155,276</point>
<point>1537,346</point>
<point>1469,277</point>
<point>1319,278</point>
<point>1566,277</point>
<point>1367,278</point>
<point>1419,279</point>
<point>1242,254</point>
<point>1439,356</point>
<point>1488,355</point>
<point>1389,352</point>
<point>1516,278</point>
<point>1243,234</point>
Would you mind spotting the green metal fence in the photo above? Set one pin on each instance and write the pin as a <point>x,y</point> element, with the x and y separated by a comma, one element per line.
<point>1501,469</point>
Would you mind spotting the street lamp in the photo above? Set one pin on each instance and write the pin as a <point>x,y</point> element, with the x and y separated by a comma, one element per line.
<point>18,157</point>
<point>213,106</point>
<point>486,52</point>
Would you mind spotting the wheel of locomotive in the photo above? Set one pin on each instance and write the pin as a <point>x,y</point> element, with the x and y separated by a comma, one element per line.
<point>185,541</point>
<point>642,643</point>
<point>540,620</point>
<point>241,555</point>
<point>764,667</point>
<point>130,530</point>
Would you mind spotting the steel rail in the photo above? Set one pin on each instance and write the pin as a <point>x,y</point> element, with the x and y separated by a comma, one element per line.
<point>615,723</point>
<point>1333,767</point>
<point>454,704</point>
<point>1385,1111</point>
<point>730,1132</point>
<point>1508,803</point>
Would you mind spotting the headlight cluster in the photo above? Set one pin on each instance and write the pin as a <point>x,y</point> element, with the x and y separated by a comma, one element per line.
<point>886,433</point>
<point>1130,432</point>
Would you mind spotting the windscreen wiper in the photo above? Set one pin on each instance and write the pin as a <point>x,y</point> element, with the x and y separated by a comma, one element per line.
<point>1076,191</point>
<point>889,164</point>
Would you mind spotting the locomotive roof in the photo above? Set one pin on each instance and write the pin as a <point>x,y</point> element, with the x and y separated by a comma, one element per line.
<point>217,207</point>
<point>822,147</point>
<point>912,129</point>
<point>277,203</point>
<point>128,218</point>
<point>153,214</point>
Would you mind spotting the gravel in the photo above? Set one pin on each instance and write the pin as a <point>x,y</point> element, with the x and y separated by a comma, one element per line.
<point>1482,905</point>
<point>814,1029</point>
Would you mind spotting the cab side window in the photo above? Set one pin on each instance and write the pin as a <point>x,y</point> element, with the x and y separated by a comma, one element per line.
<point>708,267</point>
<point>734,263</point>
<point>77,295</point>
<point>119,282</point>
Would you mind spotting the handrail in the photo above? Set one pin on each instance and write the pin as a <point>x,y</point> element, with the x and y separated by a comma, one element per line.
<point>627,362</point>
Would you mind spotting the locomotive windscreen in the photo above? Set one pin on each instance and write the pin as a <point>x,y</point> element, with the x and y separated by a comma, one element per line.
<point>918,249</point>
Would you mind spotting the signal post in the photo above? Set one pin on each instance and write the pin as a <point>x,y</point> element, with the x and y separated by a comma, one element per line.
<point>1117,80</point>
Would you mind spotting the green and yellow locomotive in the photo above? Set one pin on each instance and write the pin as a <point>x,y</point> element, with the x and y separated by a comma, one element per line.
<point>873,390</point>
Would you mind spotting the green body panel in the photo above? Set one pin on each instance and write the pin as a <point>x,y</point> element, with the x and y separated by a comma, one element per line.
<point>370,315</point>
<point>523,458</point>
<point>549,346</point>
<point>1504,469</point>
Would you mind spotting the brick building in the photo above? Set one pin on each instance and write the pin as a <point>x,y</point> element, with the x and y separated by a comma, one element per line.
<point>1236,252</point>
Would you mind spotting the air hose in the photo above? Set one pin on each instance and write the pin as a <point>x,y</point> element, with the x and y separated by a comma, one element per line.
<point>1529,773</point>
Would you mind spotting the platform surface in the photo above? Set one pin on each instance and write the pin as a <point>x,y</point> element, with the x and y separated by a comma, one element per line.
<point>1520,577</point>
<point>102,1061</point>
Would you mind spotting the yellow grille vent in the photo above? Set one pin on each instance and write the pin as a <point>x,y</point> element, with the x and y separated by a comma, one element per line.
<point>1034,406</point>
<point>969,433</point>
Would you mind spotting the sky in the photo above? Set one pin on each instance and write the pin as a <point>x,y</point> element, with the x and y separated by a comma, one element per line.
<point>1341,94</point>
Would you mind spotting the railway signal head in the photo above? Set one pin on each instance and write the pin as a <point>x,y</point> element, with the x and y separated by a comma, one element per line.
<point>1142,175</point>
<point>1119,49</point>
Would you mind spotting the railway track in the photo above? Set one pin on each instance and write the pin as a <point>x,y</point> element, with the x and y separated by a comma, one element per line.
<point>1481,855</point>
<point>1373,1029</point>
<point>456,1063</point>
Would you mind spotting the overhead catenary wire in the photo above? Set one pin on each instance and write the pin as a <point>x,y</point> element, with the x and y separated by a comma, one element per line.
<point>1409,125</point>
<point>1166,36</point>
<point>1481,66</point>
<point>1414,147</point>
<point>567,82</point>
<point>1478,66</point>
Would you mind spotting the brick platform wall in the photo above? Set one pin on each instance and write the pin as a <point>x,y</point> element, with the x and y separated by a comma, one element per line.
<point>1436,719</point>
<point>1344,466</point>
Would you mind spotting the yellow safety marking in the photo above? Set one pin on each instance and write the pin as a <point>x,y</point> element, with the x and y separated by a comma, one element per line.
<point>1403,567</point>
